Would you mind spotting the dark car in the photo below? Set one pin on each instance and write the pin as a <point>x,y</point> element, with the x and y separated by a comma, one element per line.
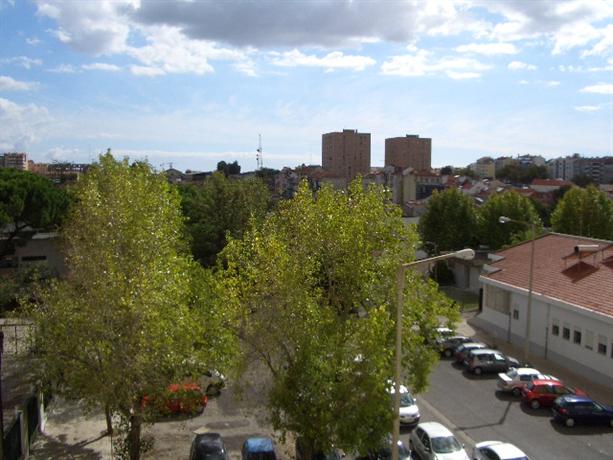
<point>334,454</point>
<point>483,360</point>
<point>462,350</point>
<point>208,446</point>
<point>544,392</point>
<point>385,452</point>
<point>447,345</point>
<point>258,448</point>
<point>571,409</point>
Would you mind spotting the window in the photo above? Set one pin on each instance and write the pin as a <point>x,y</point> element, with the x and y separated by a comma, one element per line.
<point>577,336</point>
<point>515,313</point>
<point>555,327</point>
<point>589,340</point>
<point>566,332</point>
<point>602,344</point>
<point>33,258</point>
<point>497,299</point>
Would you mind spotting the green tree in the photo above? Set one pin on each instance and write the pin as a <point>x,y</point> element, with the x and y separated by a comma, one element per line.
<point>229,168</point>
<point>585,212</point>
<point>447,170</point>
<point>317,285</point>
<point>450,221</point>
<point>218,208</point>
<point>522,174</point>
<point>583,180</point>
<point>28,203</point>
<point>510,204</point>
<point>130,318</point>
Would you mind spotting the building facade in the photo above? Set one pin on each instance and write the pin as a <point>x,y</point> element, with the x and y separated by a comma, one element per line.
<point>572,302</point>
<point>346,154</point>
<point>14,161</point>
<point>409,151</point>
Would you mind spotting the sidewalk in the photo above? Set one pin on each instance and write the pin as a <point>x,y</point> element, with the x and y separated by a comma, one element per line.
<point>599,392</point>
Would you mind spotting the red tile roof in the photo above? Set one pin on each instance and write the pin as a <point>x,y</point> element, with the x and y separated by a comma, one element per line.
<point>559,273</point>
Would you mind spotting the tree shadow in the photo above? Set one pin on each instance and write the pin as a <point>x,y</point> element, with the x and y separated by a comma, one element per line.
<point>485,376</point>
<point>47,447</point>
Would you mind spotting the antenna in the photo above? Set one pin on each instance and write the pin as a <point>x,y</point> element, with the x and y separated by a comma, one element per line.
<point>258,156</point>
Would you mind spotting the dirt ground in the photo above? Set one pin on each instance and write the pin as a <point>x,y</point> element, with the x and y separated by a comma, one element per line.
<point>69,434</point>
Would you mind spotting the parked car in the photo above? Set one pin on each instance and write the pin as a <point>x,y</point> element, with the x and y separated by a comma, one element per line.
<point>258,448</point>
<point>544,392</point>
<point>385,452</point>
<point>208,446</point>
<point>461,350</point>
<point>432,441</point>
<point>515,379</point>
<point>572,409</point>
<point>409,412</point>
<point>179,398</point>
<point>498,450</point>
<point>484,360</point>
<point>334,454</point>
<point>449,344</point>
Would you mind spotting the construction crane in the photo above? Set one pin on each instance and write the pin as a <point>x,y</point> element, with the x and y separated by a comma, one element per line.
<point>258,156</point>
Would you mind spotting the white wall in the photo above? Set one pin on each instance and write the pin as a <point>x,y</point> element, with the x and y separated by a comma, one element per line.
<point>543,343</point>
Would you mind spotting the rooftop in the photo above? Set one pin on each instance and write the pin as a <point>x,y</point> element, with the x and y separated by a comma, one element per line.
<point>583,279</point>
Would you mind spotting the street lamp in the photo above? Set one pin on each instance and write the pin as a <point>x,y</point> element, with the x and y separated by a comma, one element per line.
<point>466,254</point>
<point>506,220</point>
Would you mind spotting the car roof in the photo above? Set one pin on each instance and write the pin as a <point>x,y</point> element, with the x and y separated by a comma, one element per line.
<point>435,429</point>
<point>392,389</point>
<point>208,437</point>
<point>576,398</point>
<point>503,449</point>
<point>527,370</point>
<point>484,351</point>
<point>259,444</point>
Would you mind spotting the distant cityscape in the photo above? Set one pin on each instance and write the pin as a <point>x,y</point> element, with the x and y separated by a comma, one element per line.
<point>407,173</point>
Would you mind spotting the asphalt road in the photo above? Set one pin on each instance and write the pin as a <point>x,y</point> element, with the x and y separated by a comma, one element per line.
<point>475,412</point>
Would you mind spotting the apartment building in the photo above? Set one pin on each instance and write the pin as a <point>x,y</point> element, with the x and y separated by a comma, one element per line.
<point>14,160</point>
<point>409,151</point>
<point>346,154</point>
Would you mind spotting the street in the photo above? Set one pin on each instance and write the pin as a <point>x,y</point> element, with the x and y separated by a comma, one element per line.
<point>477,413</point>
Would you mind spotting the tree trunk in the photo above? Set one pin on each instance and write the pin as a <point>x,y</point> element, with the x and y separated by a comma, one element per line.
<point>109,419</point>
<point>136,420</point>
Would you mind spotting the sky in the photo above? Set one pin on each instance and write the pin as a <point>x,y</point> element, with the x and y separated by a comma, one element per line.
<point>191,83</point>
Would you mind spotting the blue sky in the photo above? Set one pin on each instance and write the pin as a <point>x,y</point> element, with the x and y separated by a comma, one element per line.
<point>194,82</point>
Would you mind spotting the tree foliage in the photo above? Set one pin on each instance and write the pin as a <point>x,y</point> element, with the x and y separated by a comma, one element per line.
<point>447,170</point>
<point>228,168</point>
<point>450,221</point>
<point>28,203</point>
<point>218,208</point>
<point>522,174</point>
<point>133,315</point>
<point>317,286</point>
<point>510,204</point>
<point>586,212</point>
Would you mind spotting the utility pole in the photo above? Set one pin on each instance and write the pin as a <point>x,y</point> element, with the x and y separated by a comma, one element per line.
<point>258,157</point>
<point>1,407</point>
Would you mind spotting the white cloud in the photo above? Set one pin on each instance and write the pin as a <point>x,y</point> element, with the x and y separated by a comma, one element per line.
<point>22,61</point>
<point>63,68</point>
<point>587,108</point>
<point>101,66</point>
<point>21,124</point>
<point>550,83</point>
<point>604,45</point>
<point>63,154</point>
<point>488,49</point>
<point>519,65</point>
<point>10,84</point>
<point>424,63</point>
<point>600,88</point>
<point>33,41</point>
<point>146,71</point>
<point>246,67</point>
<point>331,61</point>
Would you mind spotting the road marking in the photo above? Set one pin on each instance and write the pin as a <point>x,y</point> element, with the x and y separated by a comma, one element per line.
<point>467,440</point>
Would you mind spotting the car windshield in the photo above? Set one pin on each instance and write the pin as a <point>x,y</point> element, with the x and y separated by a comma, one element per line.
<point>512,374</point>
<point>445,445</point>
<point>406,400</point>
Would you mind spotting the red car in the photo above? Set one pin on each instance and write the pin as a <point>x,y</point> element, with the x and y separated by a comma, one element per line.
<point>544,392</point>
<point>179,398</point>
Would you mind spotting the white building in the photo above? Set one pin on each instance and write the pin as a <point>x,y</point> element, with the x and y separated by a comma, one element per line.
<point>572,301</point>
